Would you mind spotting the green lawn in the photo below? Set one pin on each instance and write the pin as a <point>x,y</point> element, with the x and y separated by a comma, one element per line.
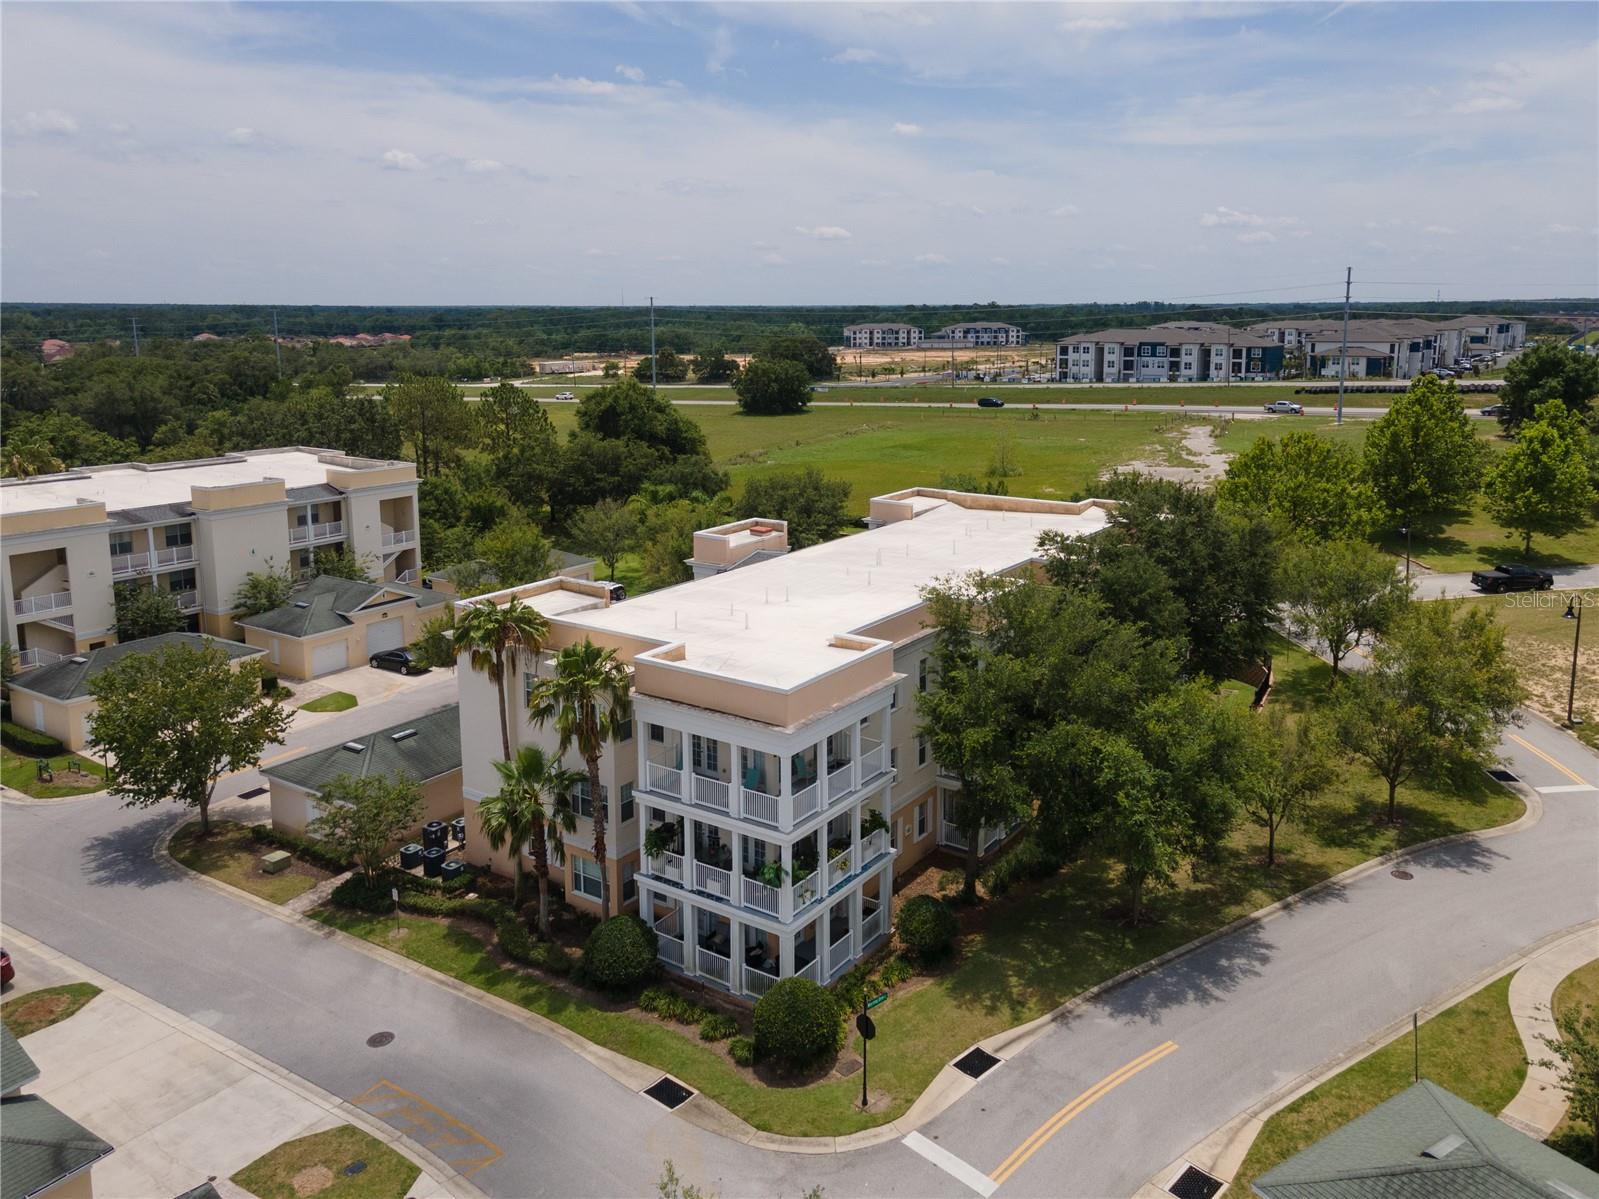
<point>1540,642</point>
<point>333,701</point>
<point>230,855</point>
<point>1580,988</point>
<point>1471,1049</point>
<point>314,1165</point>
<point>22,773</point>
<point>24,1014</point>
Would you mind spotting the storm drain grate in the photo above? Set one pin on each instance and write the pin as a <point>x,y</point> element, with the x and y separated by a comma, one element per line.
<point>354,1168</point>
<point>379,1039</point>
<point>1503,776</point>
<point>669,1093</point>
<point>253,792</point>
<point>977,1063</point>
<point>1403,876</point>
<point>1194,1183</point>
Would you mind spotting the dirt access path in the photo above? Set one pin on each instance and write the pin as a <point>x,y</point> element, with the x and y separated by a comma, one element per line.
<point>1200,459</point>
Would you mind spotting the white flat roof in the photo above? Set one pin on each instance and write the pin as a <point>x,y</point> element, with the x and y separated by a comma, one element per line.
<point>122,487</point>
<point>770,623</point>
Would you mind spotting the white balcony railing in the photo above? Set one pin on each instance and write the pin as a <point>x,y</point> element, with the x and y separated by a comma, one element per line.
<point>174,555</point>
<point>839,955</point>
<point>838,868</point>
<point>840,781</point>
<point>874,846</point>
<point>713,965</point>
<point>714,880</point>
<point>187,601</point>
<point>712,793</point>
<point>811,970</point>
<point>328,531</point>
<point>123,565</point>
<point>668,866</point>
<point>758,805</point>
<point>761,897</point>
<point>394,537</point>
<point>299,534</point>
<point>671,950</point>
<point>806,890</point>
<point>872,926</point>
<point>872,760</point>
<point>27,659</point>
<point>31,604</point>
<point>406,576</point>
<point>807,800</point>
<point>951,836</point>
<point>758,982</point>
<point>663,779</point>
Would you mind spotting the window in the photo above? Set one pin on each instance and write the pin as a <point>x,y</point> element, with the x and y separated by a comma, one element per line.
<point>585,877</point>
<point>921,820</point>
<point>121,543</point>
<point>657,733</point>
<point>624,731</point>
<point>529,682</point>
<point>629,883</point>
<point>921,751</point>
<point>627,802</point>
<point>582,804</point>
<point>178,535</point>
<point>893,758</point>
<point>921,675</point>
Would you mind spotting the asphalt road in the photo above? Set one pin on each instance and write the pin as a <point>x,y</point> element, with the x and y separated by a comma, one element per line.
<point>1244,1014</point>
<point>1244,407</point>
<point>1453,586</point>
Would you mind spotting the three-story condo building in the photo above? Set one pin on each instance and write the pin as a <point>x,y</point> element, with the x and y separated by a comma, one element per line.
<point>772,782</point>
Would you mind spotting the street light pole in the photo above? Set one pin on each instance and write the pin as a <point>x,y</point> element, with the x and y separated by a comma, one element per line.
<point>1573,612</point>
<point>1405,529</point>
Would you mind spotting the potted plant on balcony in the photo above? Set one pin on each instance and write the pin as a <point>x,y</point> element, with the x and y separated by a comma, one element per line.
<point>771,874</point>
<point>659,840</point>
<point>873,821</point>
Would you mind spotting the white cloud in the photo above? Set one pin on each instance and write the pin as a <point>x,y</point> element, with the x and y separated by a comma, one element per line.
<point>858,54</point>
<point>997,261</point>
<point>562,85</point>
<point>932,260</point>
<point>772,258</point>
<point>1092,25</point>
<point>906,129</point>
<point>1065,210</point>
<point>51,121</point>
<point>823,232</point>
<point>1223,215</point>
<point>1258,237</point>
<point>1489,103</point>
<point>484,166</point>
<point>1440,231</point>
<point>631,74</point>
<point>11,193</point>
<point>243,136</point>
<point>721,50</point>
<point>401,160</point>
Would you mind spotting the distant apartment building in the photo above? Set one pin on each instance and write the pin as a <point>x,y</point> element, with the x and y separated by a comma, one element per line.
<point>881,335</point>
<point>1393,349</point>
<point>981,333</point>
<point>1174,352</point>
<point>771,783</point>
<point>191,529</point>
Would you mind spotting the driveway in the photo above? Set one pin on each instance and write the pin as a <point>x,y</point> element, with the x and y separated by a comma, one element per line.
<point>370,688</point>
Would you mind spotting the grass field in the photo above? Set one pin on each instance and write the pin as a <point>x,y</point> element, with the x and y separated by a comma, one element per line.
<point>1578,989</point>
<point>1471,1049</point>
<point>22,773</point>
<point>1540,642</point>
<point>315,1165</point>
<point>333,701</point>
<point>231,856</point>
<point>28,1013</point>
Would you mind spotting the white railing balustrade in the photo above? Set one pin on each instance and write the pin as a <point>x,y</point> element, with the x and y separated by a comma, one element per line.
<point>186,599</point>
<point>392,537</point>
<point>811,970</point>
<point>872,760</point>
<point>123,565</point>
<point>807,800</point>
<point>840,782</point>
<point>758,805</point>
<point>175,555</point>
<point>838,869</point>
<point>872,926</point>
<point>761,897</point>
<point>712,793</point>
<point>951,836</point>
<point>28,605</point>
<point>27,659</point>
<point>406,576</point>
<point>839,954</point>
<point>713,879</point>
<point>671,950</point>
<point>668,866</point>
<point>757,982</point>
<point>806,890</point>
<point>713,965</point>
<point>663,779</point>
<point>333,528</point>
<point>299,534</point>
<point>874,846</point>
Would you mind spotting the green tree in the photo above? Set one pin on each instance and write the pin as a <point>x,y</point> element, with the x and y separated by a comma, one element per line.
<point>1576,1063</point>
<point>666,367</point>
<point>714,366</point>
<point>607,530</point>
<point>769,388</point>
<point>1340,594</point>
<point>515,551</point>
<point>1290,767</point>
<point>799,344</point>
<point>1548,371</point>
<point>1439,692</point>
<point>436,645</point>
<point>340,562</point>
<point>812,504</point>
<point>627,411</point>
<point>365,816</point>
<point>262,590</point>
<point>1311,484</point>
<point>431,414</point>
<point>47,442</point>
<point>587,699</point>
<point>145,611</point>
<point>667,539</point>
<point>507,414</point>
<point>175,720</point>
<point>1543,483</point>
<point>532,810</point>
<point>1423,456</point>
<point>494,637</point>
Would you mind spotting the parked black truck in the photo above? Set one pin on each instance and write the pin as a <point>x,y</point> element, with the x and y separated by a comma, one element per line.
<point>1512,577</point>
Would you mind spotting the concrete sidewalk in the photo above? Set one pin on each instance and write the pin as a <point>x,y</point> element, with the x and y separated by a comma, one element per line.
<point>1540,1104</point>
<point>180,1104</point>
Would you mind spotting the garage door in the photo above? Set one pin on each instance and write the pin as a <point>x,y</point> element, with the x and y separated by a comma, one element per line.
<point>385,634</point>
<point>325,659</point>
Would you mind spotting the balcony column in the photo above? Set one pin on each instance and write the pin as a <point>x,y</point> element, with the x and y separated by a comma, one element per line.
<point>785,894</point>
<point>785,791</point>
<point>785,953</point>
<point>689,922</point>
<point>857,810</point>
<point>690,837</point>
<point>857,915</point>
<point>735,886</point>
<point>735,956</point>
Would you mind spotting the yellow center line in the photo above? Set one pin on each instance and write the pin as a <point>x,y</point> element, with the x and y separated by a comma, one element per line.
<point>1569,773</point>
<point>1070,1112</point>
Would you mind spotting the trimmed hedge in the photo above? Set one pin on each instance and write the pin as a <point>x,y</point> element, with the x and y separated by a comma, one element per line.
<point>742,1050</point>
<point>620,953</point>
<point>29,741</point>
<point>355,893</point>
<point>926,928</point>
<point>717,1027</point>
<point>318,853</point>
<point>1027,861</point>
<point>797,1022</point>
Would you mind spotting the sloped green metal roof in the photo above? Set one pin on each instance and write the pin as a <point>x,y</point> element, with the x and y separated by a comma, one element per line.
<point>40,1146</point>
<point>17,1069</point>
<point>69,678</point>
<point>432,750</point>
<point>326,603</point>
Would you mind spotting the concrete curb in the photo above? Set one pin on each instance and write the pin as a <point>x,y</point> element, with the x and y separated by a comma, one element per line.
<point>428,1162</point>
<point>1540,1104</point>
<point>1223,1151</point>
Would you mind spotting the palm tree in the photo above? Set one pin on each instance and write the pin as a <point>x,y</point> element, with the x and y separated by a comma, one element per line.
<point>531,808</point>
<point>589,697</point>
<point>492,636</point>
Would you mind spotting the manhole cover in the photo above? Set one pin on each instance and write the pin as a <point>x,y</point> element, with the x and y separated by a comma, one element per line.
<point>1403,876</point>
<point>379,1039</point>
<point>253,792</point>
<point>354,1168</point>
<point>1503,776</point>
<point>669,1093</point>
<point>1194,1183</point>
<point>976,1063</point>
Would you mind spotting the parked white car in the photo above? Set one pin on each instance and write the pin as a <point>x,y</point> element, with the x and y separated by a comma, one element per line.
<point>565,395</point>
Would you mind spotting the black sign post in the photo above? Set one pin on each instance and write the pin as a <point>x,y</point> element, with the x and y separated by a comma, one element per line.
<point>868,1029</point>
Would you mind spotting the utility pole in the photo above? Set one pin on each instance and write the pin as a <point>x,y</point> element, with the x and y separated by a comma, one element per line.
<point>135,336</point>
<point>652,343</point>
<point>1343,348</point>
<point>276,344</point>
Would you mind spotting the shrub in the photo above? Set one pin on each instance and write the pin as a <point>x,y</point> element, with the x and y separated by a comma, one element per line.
<point>29,741</point>
<point>683,1011</point>
<point>797,1022</point>
<point>359,895</point>
<point>655,999</point>
<point>717,1027</point>
<point>742,1050</point>
<point>898,970</point>
<point>926,928</point>
<point>318,853</point>
<point>620,953</point>
<point>855,987</point>
<point>1027,861</point>
<point>516,941</point>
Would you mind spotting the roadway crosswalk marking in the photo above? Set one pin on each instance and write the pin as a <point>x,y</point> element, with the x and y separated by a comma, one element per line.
<point>1565,788</point>
<point>951,1165</point>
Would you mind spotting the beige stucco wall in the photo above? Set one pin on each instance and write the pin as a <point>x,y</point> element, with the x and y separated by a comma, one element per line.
<point>88,570</point>
<point>912,849</point>
<point>43,520</point>
<point>294,807</point>
<point>78,1186</point>
<point>352,479</point>
<point>478,853</point>
<point>290,657</point>
<point>767,705</point>
<point>238,495</point>
<point>63,721</point>
<point>231,543</point>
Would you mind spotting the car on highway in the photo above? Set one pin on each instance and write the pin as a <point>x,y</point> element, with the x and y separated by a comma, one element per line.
<point>1492,410</point>
<point>401,661</point>
<point>1443,372</point>
<point>1286,406</point>
<point>1512,576</point>
<point>990,402</point>
<point>565,395</point>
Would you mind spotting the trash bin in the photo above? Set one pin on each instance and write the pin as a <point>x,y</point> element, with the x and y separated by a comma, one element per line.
<point>458,827</point>
<point>410,856</point>
<point>432,862</point>
<point>452,869</point>
<point>433,834</point>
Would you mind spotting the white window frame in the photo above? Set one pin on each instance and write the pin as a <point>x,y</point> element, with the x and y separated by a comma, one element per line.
<point>582,880</point>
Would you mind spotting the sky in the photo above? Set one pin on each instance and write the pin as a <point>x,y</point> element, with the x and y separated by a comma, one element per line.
<point>813,153</point>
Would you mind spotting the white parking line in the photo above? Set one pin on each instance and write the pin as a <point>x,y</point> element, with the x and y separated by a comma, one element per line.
<point>1565,788</point>
<point>952,1165</point>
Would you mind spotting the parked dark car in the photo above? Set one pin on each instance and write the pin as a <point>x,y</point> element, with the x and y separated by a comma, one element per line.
<point>1512,577</point>
<point>1492,410</point>
<point>7,970</point>
<point>401,660</point>
<point>990,402</point>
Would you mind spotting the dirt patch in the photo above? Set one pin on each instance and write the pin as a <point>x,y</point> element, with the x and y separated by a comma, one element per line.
<point>1201,459</point>
<point>46,1009</point>
<point>312,1180</point>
